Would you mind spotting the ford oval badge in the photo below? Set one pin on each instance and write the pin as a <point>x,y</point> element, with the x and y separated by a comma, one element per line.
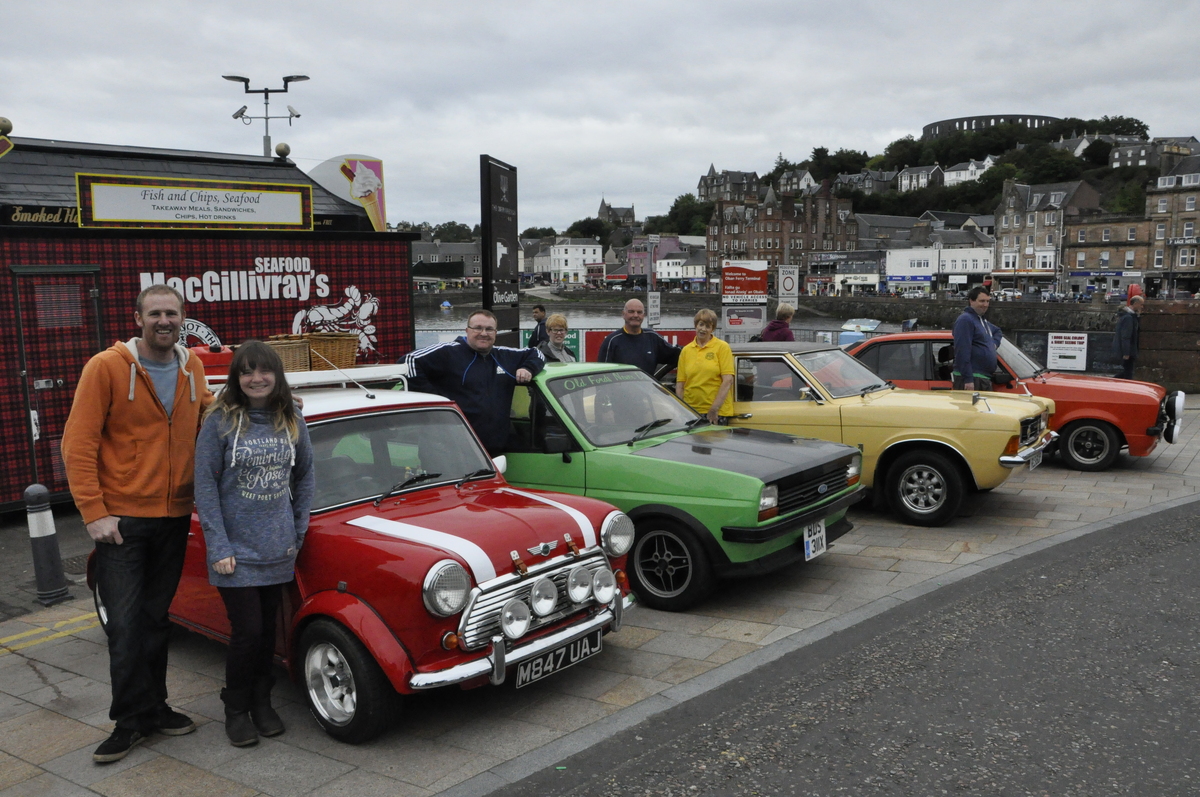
<point>824,488</point>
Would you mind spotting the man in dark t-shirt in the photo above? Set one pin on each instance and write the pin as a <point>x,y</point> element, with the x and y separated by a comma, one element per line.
<point>633,345</point>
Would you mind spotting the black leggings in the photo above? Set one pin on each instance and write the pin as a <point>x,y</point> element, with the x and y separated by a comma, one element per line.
<point>252,612</point>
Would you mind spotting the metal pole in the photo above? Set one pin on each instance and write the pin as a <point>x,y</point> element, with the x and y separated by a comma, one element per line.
<point>267,121</point>
<point>47,560</point>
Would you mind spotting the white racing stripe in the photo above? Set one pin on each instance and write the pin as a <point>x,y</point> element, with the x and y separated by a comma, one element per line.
<point>479,562</point>
<point>585,525</point>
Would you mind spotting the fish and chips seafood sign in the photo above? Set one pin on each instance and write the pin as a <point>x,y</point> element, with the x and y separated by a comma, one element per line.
<point>107,200</point>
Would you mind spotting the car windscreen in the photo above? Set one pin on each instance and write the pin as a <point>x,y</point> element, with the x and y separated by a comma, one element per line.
<point>839,373</point>
<point>363,456</point>
<point>1021,363</point>
<point>613,407</point>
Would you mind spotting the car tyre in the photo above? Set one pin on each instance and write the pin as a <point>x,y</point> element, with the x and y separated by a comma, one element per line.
<point>347,692</point>
<point>1089,445</point>
<point>668,569</point>
<point>925,488</point>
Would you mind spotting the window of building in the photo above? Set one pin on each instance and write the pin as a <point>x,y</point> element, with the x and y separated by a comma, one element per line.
<point>420,258</point>
<point>1191,179</point>
<point>1187,258</point>
<point>1057,197</point>
<point>1004,221</point>
<point>1189,229</point>
<point>1160,232</point>
<point>1106,234</point>
<point>1158,258</point>
<point>1029,240</point>
<point>1049,239</point>
<point>1166,182</point>
<point>433,258</point>
<point>1032,219</point>
<point>1051,218</point>
<point>1189,203</point>
<point>1080,258</point>
<point>1131,234</point>
<point>1104,258</point>
<point>1162,204</point>
<point>1029,264</point>
<point>1082,236</point>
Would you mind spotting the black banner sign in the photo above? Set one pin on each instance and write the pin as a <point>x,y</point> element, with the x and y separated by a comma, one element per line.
<point>498,222</point>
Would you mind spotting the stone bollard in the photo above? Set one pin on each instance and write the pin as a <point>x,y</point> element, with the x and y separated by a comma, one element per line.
<point>47,561</point>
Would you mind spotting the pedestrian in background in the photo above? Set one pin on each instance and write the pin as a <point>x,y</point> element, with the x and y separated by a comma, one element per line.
<point>704,378</point>
<point>975,342</point>
<point>781,328</point>
<point>1125,341</point>
<point>254,489</point>
<point>128,448</point>
<point>555,349</point>
<point>539,334</point>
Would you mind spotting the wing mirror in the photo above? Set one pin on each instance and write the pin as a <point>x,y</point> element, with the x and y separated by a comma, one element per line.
<point>557,441</point>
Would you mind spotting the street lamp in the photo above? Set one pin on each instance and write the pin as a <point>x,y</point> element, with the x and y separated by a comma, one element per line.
<point>266,117</point>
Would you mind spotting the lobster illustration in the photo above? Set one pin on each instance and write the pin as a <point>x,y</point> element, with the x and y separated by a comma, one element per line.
<point>355,314</point>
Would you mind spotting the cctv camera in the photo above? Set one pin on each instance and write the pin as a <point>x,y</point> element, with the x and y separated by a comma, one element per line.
<point>240,112</point>
<point>293,112</point>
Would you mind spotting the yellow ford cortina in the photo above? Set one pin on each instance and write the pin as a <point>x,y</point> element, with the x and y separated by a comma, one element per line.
<point>922,451</point>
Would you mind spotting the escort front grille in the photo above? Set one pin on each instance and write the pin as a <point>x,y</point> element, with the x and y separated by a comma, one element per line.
<point>806,490</point>
<point>481,618</point>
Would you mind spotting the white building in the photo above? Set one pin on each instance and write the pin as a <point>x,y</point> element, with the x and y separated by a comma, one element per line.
<point>570,257</point>
<point>968,171</point>
<point>934,268</point>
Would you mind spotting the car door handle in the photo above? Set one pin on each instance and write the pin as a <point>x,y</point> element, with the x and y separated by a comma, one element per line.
<point>745,416</point>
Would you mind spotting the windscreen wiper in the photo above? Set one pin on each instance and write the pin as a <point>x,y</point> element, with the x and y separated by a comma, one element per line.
<point>475,475</point>
<point>641,431</point>
<point>411,480</point>
<point>694,422</point>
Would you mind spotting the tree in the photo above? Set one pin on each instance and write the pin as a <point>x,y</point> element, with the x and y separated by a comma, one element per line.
<point>452,232</point>
<point>1124,126</point>
<point>782,165</point>
<point>687,216</point>
<point>590,228</point>
<point>539,232</point>
<point>903,152</point>
<point>1097,152</point>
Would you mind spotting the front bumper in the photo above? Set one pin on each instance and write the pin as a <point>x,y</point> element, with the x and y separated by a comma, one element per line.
<point>1023,457</point>
<point>498,659</point>
<point>760,534</point>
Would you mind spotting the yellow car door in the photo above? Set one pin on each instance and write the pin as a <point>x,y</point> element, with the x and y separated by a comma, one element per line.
<point>772,394</point>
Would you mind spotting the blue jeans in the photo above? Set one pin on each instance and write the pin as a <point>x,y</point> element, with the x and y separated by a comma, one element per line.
<point>137,581</point>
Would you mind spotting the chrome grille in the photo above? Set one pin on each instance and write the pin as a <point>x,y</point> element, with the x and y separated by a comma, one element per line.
<point>1031,429</point>
<point>481,617</point>
<point>798,492</point>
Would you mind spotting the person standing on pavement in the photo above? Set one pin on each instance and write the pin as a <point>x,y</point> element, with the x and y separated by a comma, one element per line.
<point>128,448</point>
<point>556,349</point>
<point>633,345</point>
<point>539,334</point>
<point>254,489</point>
<point>478,375</point>
<point>975,342</point>
<point>704,379</point>
<point>781,328</point>
<point>1125,341</point>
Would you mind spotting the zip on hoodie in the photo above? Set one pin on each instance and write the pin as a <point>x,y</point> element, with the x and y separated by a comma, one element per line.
<point>131,345</point>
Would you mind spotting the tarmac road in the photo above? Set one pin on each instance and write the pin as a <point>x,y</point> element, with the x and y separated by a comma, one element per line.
<point>1072,671</point>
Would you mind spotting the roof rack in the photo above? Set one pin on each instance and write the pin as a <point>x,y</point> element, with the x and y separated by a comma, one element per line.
<point>337,378</point>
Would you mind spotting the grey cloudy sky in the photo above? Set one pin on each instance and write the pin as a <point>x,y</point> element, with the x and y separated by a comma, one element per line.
<point>629,100</point>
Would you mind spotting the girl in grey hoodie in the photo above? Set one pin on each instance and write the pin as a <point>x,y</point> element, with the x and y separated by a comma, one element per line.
<point>254,487</point>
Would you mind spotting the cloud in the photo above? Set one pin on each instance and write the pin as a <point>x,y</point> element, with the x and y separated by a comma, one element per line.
<point>627,100</point>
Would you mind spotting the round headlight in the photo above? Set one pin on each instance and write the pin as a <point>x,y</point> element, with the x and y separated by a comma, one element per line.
<point>579,584</point>
<point>514,618</point>
<point>616,534</point>
<point>604,585</point>
<point>543,597</point>
<point>1175,402</point>
<point>447,587</point>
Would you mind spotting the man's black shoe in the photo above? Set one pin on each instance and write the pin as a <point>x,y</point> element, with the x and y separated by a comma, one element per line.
<point>169,722</point>
<point>117,746</point>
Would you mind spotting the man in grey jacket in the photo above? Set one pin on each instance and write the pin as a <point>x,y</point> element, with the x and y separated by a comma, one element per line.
<point>1125,341</point>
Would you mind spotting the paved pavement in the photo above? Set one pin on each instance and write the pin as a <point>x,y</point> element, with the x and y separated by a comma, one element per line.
<point>54,665</point>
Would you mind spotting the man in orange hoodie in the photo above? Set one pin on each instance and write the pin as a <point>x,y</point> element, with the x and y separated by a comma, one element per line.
<point>128,447</point>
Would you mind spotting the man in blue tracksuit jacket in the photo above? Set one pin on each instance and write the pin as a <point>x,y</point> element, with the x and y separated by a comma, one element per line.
<point>477,375</point>
<point>975,342</point>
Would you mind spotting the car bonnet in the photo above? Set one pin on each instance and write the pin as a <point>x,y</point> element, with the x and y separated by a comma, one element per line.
<point>767,456</point>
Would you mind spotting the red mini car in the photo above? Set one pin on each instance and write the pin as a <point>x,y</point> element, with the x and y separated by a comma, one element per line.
<point>1095,416</point>
<point>422,567</point>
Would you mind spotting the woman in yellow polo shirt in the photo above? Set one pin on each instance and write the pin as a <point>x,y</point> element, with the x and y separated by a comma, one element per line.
<point>704,379</point>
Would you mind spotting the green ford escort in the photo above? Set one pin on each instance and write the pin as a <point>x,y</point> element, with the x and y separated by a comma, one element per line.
<point>707,501</point>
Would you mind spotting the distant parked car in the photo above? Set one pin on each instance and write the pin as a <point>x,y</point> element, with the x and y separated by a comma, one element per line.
<point>1008,294</point>
<point>1095,416</point>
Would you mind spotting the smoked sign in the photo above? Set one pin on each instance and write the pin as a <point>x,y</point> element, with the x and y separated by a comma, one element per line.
<point>107,200</point>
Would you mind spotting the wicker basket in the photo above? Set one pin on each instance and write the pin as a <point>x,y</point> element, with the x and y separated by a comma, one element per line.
<point>332,349</point>
<point>292,349</point>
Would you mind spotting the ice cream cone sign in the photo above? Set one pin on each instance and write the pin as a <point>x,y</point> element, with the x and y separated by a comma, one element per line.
<point>366,186</point>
